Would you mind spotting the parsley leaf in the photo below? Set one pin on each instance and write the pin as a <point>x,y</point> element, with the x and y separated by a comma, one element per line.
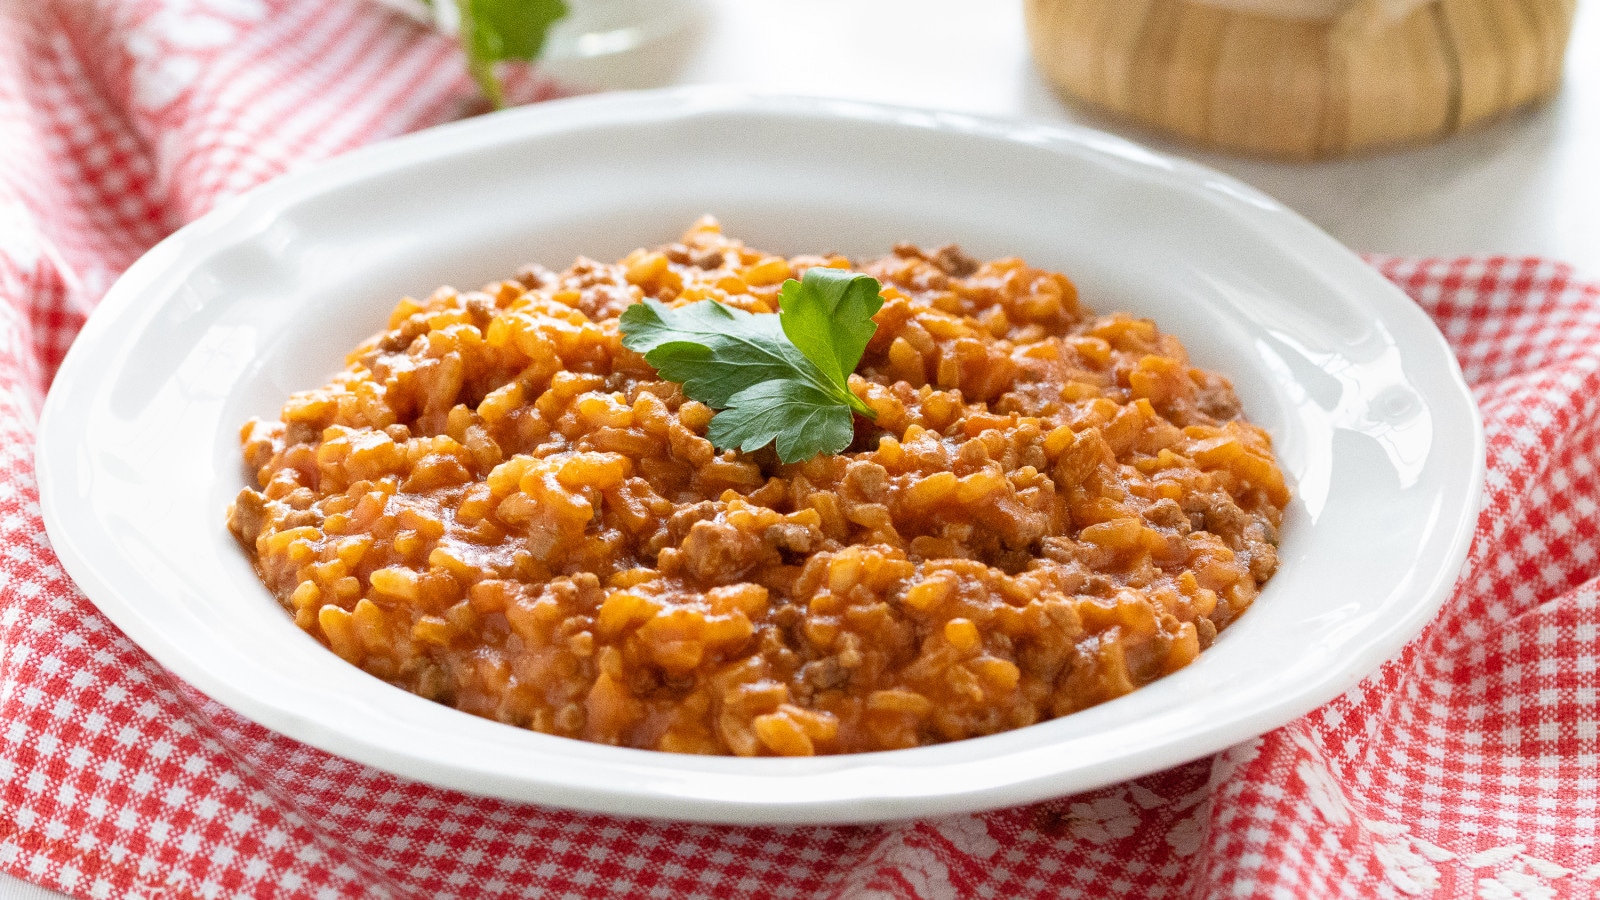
<point>778,379</point>
<point>829,317</point>
<point>801,419</point>
<point>713,350</point>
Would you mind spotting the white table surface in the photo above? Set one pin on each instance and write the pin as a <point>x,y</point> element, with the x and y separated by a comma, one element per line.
<point>1526,184</point>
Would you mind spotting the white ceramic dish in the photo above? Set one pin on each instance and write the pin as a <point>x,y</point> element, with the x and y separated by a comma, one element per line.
<point>138,452</point>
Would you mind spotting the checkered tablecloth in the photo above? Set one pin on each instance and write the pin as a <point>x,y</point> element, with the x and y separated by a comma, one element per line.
<point>1469,766</point>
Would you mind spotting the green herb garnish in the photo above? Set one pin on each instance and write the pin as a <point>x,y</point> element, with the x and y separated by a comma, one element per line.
<point>495,31</point>
<point>777,379</point>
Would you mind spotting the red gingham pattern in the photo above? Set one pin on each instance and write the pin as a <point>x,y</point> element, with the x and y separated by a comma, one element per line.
<point>1469,766</point>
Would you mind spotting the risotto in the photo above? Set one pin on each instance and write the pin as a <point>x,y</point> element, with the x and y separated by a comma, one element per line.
<point>499,507</point>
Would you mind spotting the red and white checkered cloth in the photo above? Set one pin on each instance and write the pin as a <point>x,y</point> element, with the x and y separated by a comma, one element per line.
<point>1467,767</point>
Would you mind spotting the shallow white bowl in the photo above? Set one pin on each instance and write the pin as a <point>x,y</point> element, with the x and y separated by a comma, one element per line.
<point>138,453</point>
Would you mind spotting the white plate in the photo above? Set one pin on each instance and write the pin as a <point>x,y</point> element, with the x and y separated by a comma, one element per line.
<point>138,452</point>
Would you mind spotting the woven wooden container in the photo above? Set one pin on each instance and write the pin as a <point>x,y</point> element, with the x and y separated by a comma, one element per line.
<point>1296,88</point>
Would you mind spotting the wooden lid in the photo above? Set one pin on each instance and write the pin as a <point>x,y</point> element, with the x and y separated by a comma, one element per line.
<point>1296,88</point>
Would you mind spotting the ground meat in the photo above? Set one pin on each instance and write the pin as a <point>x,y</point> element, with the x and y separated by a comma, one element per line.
<point>789,537</point>
<point>247,516</point>
<point>953,262</point>
<point>718,553</point>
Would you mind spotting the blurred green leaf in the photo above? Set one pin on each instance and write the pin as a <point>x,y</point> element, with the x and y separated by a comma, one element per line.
<point>496,31</point>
